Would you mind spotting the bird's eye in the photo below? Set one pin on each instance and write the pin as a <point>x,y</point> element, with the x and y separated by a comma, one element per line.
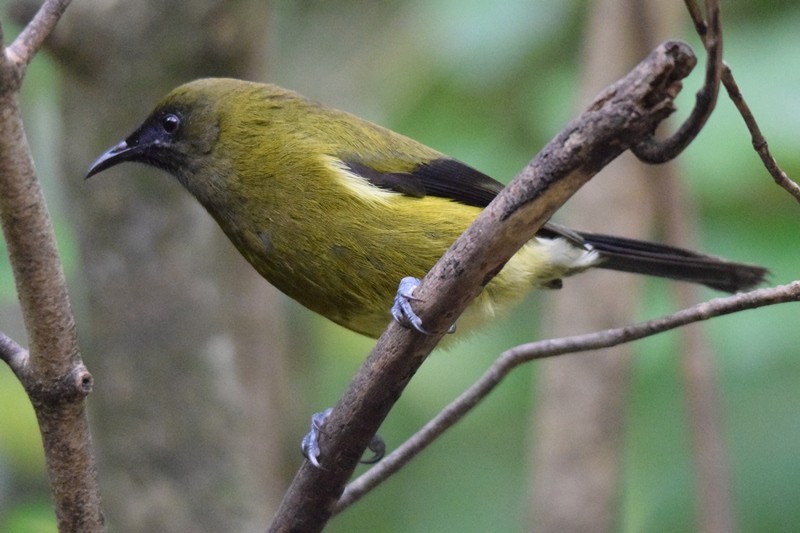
<point>170,122</point>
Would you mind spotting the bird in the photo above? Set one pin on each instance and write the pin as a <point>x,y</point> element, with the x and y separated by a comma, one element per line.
<point>335,211</point>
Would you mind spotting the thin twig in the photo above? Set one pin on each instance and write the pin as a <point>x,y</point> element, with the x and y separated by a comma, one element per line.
<point>27,43</point>
<point>514,357</point>
<point>15,356</point>
<point>759,142</point>
<point>655,151</point>
<point>696,15</point>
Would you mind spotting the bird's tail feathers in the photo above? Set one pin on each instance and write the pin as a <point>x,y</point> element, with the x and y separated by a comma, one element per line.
<point>640,257</point>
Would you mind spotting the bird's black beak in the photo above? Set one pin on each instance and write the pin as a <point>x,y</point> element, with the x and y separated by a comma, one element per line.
<point>116,155</point>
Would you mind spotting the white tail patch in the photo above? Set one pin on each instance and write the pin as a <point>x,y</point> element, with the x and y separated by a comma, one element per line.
<point>567,255</point>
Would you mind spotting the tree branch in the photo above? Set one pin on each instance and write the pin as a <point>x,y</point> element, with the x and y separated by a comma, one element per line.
<point>710,30</point>
<point>15,356</point>
<point>52,374</point>
<point>525,353</point>
<point>757,138</point>
<point>623,115</point>
<point>29,42</point>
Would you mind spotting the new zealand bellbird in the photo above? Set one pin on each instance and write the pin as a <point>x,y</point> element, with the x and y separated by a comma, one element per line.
<point>334,210</point>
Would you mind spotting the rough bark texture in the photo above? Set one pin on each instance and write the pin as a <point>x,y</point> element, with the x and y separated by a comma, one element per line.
<point>188,357</point>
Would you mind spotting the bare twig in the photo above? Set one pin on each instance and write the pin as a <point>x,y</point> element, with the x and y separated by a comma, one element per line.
<point>759,142</point>
<point>511,359</point>
<point>621,116</point>
<point>33,35</point>
<point>656,151</point>
<point>732,88</point>
<point>696,15</point>
<point>15,356</point>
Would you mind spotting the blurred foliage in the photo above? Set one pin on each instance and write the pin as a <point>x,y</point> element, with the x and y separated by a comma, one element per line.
<point>490,83</point>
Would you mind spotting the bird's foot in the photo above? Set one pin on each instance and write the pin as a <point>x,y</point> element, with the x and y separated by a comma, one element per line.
<point>378,448</point>
<point>401,308</point>
<point>310,443</point>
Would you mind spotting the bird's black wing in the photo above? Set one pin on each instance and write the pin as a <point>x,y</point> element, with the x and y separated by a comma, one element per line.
<point>452,179</point>
<point>445,178</point>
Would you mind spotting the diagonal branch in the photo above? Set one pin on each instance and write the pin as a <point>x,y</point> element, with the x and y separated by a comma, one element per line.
<point>623,115</point>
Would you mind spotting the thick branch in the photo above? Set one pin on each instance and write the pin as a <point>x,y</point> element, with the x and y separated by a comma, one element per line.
<point>623,115</point>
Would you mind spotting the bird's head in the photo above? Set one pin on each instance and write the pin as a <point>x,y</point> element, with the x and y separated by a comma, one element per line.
<point>182,129</point>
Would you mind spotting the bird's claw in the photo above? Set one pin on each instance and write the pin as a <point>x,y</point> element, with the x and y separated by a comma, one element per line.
<point>310,443</point>
<point>378,448</point>
<point>401,308</point>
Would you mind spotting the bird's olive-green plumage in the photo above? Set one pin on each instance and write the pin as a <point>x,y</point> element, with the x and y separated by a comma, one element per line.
<point>334,210</point>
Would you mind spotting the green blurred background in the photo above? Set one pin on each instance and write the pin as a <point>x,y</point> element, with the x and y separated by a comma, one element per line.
<point>490,83</point>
